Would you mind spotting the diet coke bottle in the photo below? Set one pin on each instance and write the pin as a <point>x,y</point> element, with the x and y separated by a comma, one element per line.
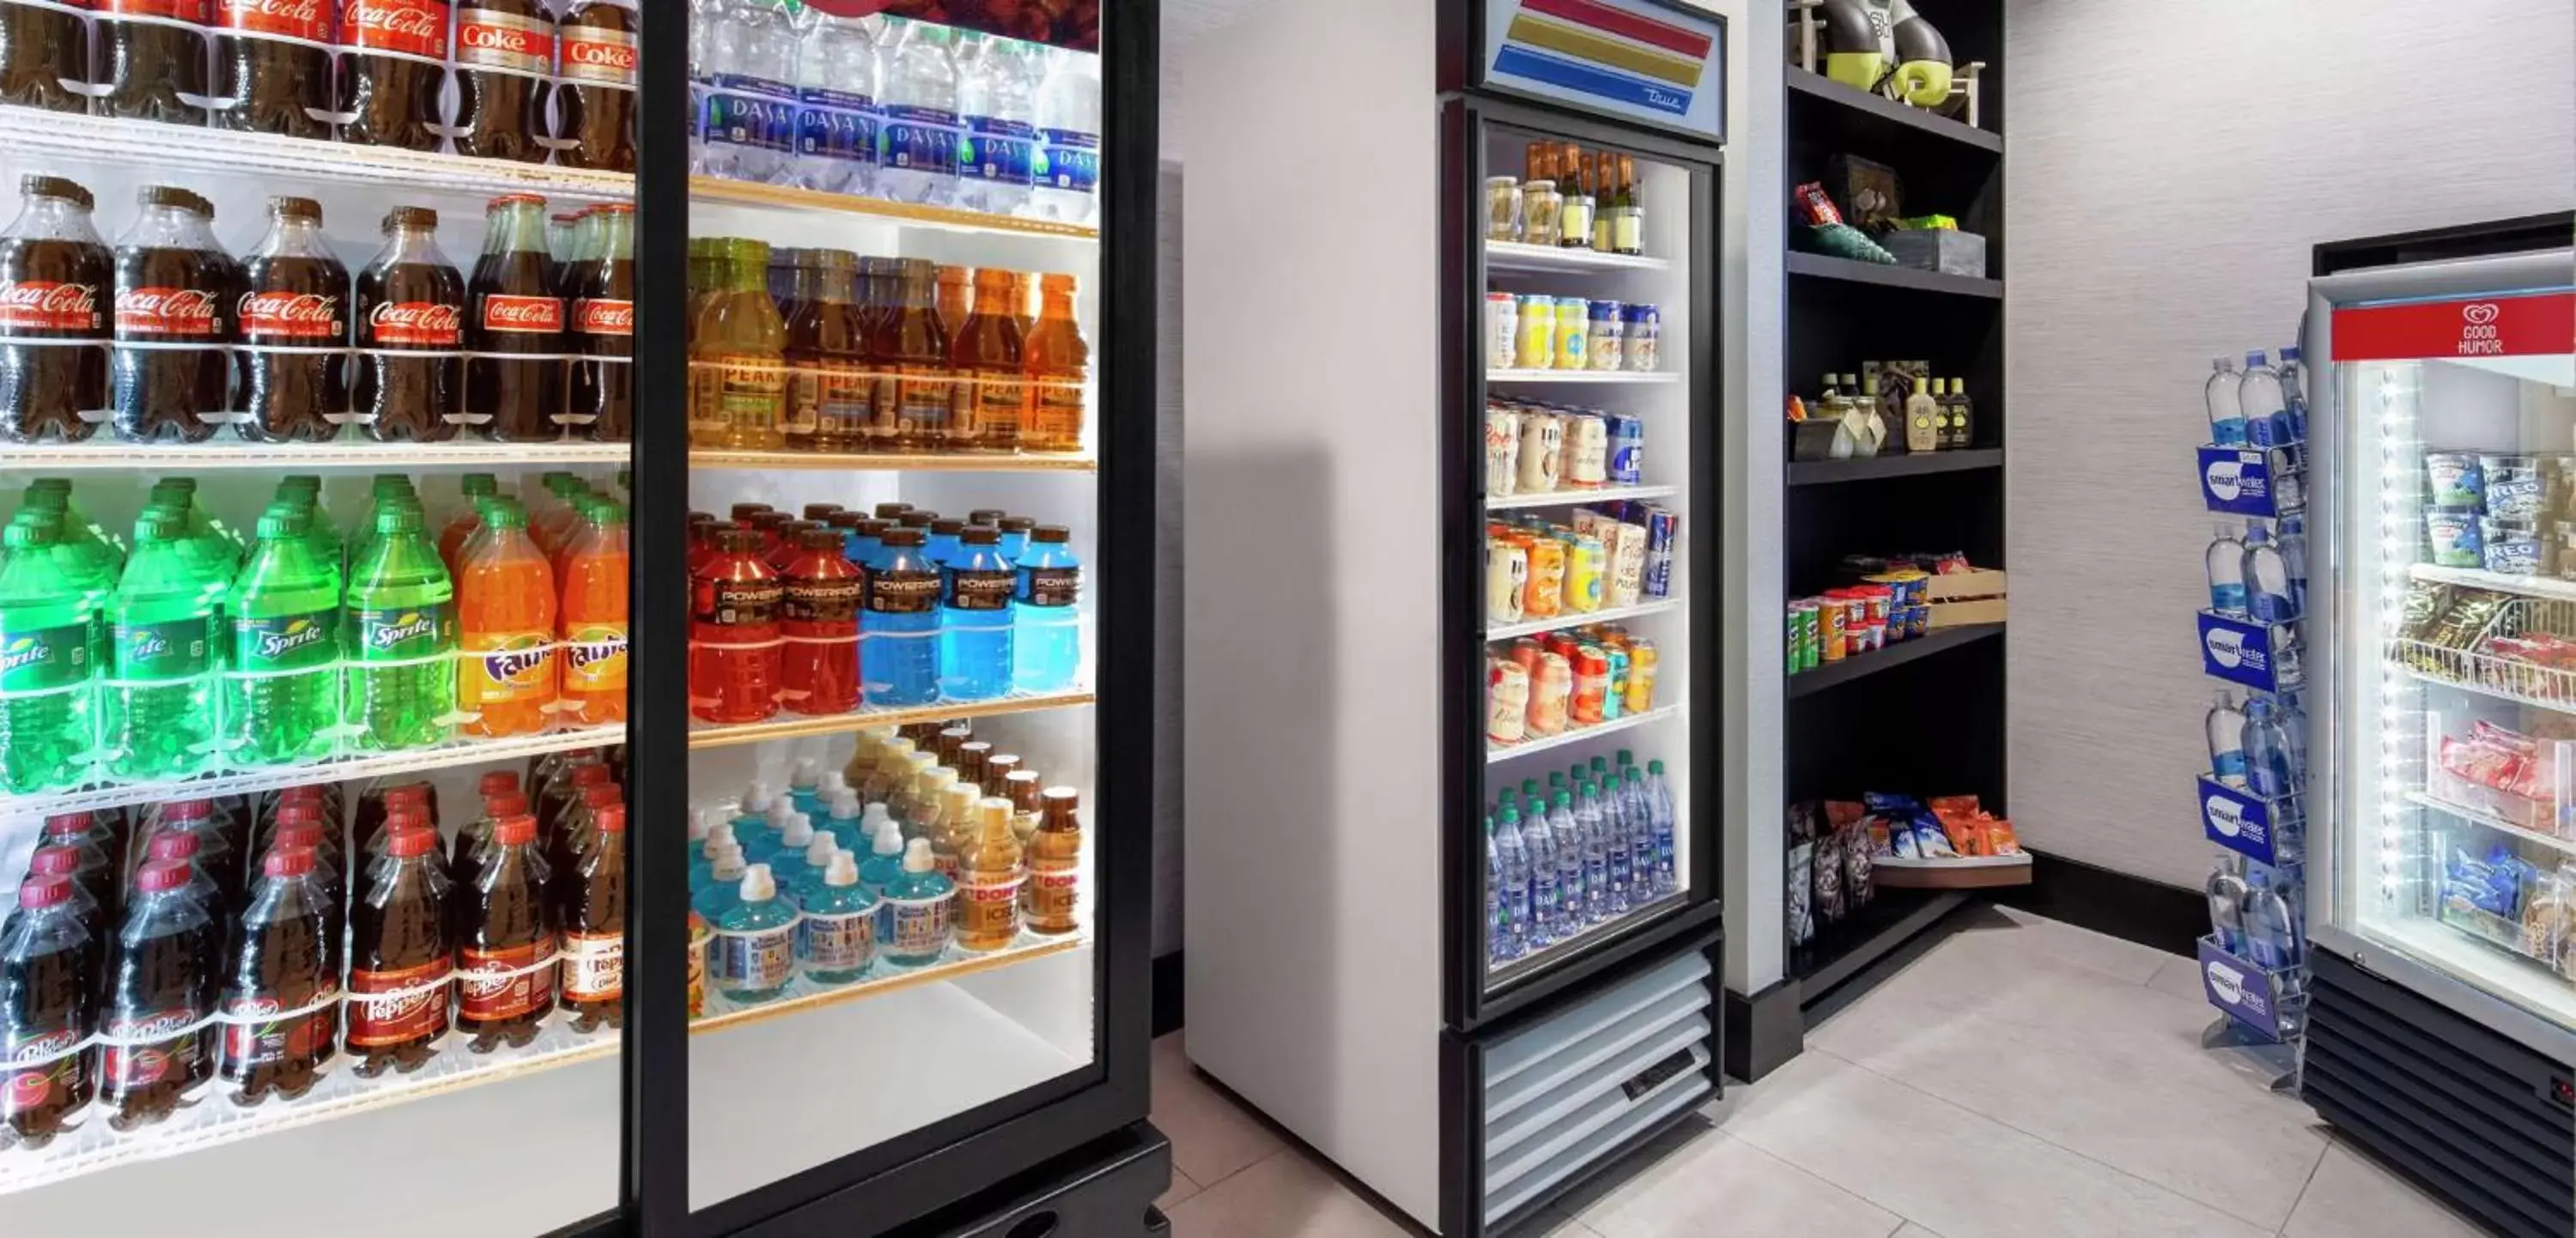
<point>411,324</point>
<point>273,66</point>
<point>41,47</point>
<point>154,56</point>
<point>54,275</point>
<point>169,366</point>
<point>601,286</point>
<point>505,63</point>
<point>595,75</point>
<point>393,70</point>
<point>294,325</point>
<point>514,336</point>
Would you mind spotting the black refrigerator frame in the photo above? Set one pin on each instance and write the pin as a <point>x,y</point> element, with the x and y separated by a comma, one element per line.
<point>894,1183</point>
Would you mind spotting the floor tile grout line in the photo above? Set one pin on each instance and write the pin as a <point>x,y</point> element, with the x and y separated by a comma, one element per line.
<point>2305,1187</point>
<point>2083,1156</point>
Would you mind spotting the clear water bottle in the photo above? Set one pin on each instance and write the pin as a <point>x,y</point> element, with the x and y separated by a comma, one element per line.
<point>1512,859</point>
<point>917,141</point>
<point>1545,901</point>
<point>2294,392</point>
<point>997,87</point>
<point>2268,596</point>
<point>2268,768</point>
<point>2225,564</point>
<point>1617,845</point>
<point>2226,414</point>
<point>747,122</point>
<point>704,17</point>
<point>2226,891</point>
<point>2294,552</point>
<point>2271,930</point>
<point>2259,401</point>
<point>2224,725</point>
<point>1596,854</point>
<point>836,105</point>
<point>1066,171</point>
<point>1659,800</point>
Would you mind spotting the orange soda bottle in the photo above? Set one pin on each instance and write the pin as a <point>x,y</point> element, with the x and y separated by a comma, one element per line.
<point>480,488</point>
<point>593,619</point>
<point>505,614</point>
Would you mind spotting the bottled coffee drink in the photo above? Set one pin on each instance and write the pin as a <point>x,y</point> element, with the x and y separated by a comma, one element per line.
<point>54,286</point>
<point>393,71</point>
<point>410,316</point>
<point>294,323</point>
<point>273,66</point>
<point>505,63</point>
<point>514,333</point>
<point>170,366</point>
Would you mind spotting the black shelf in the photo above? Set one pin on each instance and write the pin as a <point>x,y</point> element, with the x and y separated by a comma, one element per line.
<point>1823,107</point>
<point>1835,674</point>
<point>1821,266</point>
<point>1828,472</point>
<point>1840,950</point>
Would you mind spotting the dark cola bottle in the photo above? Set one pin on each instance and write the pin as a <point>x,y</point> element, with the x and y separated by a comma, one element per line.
<point>153,55</point>
<point>273,66</point>
<point>399,962</point>
<point>49,964</point>
<point>281,1007</point>
<point>43,46</point>
<point>393,72</point>
<point>595,80</point>
<point>294,329</point>
<point>156,1050</point>
<point>514,368</point>
<point>505,64</point>
<point>55,281</point>
<point>601,287</point>
<point>411,327</point>
<point>170,366</point>
<point>505,942</point>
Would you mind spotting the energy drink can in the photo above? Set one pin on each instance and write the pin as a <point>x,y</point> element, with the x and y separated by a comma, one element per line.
<point>1641,676</point>
<point>1615,702</point>
<point>1627,450</point>
<point>1584,579</point>
<point>1662,530</point>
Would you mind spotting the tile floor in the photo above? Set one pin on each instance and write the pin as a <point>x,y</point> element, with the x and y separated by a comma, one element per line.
<point>2024,1077</point>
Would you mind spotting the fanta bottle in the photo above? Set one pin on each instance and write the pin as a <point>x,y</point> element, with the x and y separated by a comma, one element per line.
<point>594,618</point>
<point>505,614</point>
<point>480,488</point>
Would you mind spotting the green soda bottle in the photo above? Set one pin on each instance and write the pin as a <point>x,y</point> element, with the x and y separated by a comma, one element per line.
<point>90,569</point>
<point>157,716</point>
<point>282,691</point>
<point>210,556</point>
<point>400,681</point>
<point>81,535</point>
<point>47,673</point>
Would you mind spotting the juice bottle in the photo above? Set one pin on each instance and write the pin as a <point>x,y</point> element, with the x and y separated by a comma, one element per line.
<point>1055,861</point>
<point>908,348</point>
<point>737,358</point>
<point>828,384</point>
<point>505,613</point>
<point>734,658</point>
<point>593,618</point>
<point>986,356</point>
<point>1057,362</point>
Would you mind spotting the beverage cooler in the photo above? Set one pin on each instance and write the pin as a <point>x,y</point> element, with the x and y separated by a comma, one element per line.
<point>1492,866</point>
<point>2442,892</point>
<point>495,491</point>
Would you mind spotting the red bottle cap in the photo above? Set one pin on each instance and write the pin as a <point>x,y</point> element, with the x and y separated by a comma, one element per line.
<point>407,819</point>
<point>506,805</point>
<point>411,842</point>
<point>177,845</point>
<point>38,893</point>
<point>69,823</point>
<point>290,836</point>
<point>299,814</point>
<point>309,793</point>
<point>589,775</point>
<point>610,819</point>
<point>408,795</point>
<point>288,862</point>
<point>597,796</point>
<point>54,862</point>
<point>511,830</point>
<point>161,876</point>
<point>190,810</point>
<point>498,782</point>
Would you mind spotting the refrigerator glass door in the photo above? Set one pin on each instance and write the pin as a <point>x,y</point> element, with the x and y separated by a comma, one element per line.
<point>2456,705</point>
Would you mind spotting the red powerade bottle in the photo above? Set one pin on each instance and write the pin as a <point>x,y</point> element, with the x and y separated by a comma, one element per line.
<point>281,1008</point>
<point>733,633</point>
<point>820,674</point>
<point>393,70</point>
<point>505,64</point>
<point>514,375</point>
<point>410,320</point>
<point>55,280</point>
<point>294,327</point>
<point>399,961</point>
<point>273,66</point>
<point>153,53</point>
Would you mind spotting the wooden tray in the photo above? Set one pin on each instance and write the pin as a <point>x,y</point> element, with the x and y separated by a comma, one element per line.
<point>1955,873</point>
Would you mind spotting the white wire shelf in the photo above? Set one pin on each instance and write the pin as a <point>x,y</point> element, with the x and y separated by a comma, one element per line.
<point>2479,578</point>
<point>1592,377</point>
<point>900,214</point>
<point>1576,619</point>
<point>461,752</point>
<point>1550,259</point>
<point>864,462</point>
<point>803,995</point>
<point>103,455</point>
<point>1579,498</point>
<point>31,135</point>
<point>787,726</point>
<point>2490,821</point>
<point>1498,753</point>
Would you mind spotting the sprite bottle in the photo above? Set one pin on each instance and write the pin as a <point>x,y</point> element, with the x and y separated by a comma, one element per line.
<point>93,568</point>
<point>157,715</point>
<point>47,674</point>
<point>282,682</point>
<point>400,681</point>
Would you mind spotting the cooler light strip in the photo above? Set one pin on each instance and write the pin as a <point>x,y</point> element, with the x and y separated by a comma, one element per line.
<point>2400,458</point>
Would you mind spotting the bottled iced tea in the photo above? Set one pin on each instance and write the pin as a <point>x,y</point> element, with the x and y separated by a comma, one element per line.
<point>986,357</point>
<point>737,358</point>
<point>1057,361</point>
<point>827,356</point>
<point>908,346</point>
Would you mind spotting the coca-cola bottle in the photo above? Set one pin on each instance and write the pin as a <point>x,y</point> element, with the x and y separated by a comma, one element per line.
<point>410,323</point>
<point>602,289</point>
<point>595,58</point>
<point>155,1037</point>
<point>505,63</point>
<point>41,47</point>
<point>514,330</point>
<point>54,281</point>
<point>393,70</point>
<point>48,964</point>
<point>154,61</point>
<point>169,295</point>
<point>399,961</point>
<point>281,1009</point>
<point>273,66</point>
<point>505,942</point>
<point>294,323</point>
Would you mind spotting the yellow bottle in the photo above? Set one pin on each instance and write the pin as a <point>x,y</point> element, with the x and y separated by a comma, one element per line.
<point>1055,865</point>
<point>987,915</point>
<point>956,824</point>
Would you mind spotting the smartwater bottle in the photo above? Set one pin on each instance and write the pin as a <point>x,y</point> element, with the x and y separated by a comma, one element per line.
<point>2259,402</point>
<point>2267,750</point>
<point>2265,580</point>
<point>2226,414</point>
<point>2294,393</point>
<point>2225,727</point>
<point>2226,892</point>
<point>2225,562</point>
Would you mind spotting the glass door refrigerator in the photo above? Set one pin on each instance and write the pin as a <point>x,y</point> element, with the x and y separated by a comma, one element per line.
<point>2442,905</point>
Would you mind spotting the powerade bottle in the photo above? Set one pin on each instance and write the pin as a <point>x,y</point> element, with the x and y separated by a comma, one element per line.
<point>47,672</point>
<point>1046,643</point>
<point>976,620</point>
<point>282,680</point>
<point>2268,595</point>
<point>837,937</point>
<point>158,717</point>
<point>400,686</point>
<point>2267,750</point>
<point>2260,402</point>
<point>899,627</point>
<point>2226,413</point>
<point>2224,726</point>
<point>2225,563</point>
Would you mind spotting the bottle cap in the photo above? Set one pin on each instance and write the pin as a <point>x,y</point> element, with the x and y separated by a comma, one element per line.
<point>820,851</point>
<point>590,775</point>
<point>703,823</point>
<point>917,858</point>
<point>160,876</point>
<point>602,795</point>
<point>55,861</point>
<point>178,845</point>
<point>408,795</point>
<point>190,810</point>
<point>296,836</point>
<point>841,870</point>
<point>757,885</point>
<point>797,831</point>
<point>609,819</point>
<point>411,842</point>
<point>808,772</point>
<point>38,893</point>
<point>720,835</point>
<point>515,829</point>
<point>845,805</point>
<point>756,799</point>
<point>1053,534</point>
<point>287,862</point>
<point>507,804</point>
<point>834,782</point>
<point>980,535</point>
<point>876,817</point>
<point>888,840</point>
<point>729,865</point>
<point>68,823</point>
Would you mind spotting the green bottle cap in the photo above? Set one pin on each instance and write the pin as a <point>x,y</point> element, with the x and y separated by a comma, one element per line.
<point>156,525</point>
<point>481,484</point>
<point>282,523</point>
<point>395,519</point>
<point>1636,775</point>
<point>1564,799</point>
<point>1626,757</point>
<point>504,514</point>
<point>24,533</point>
<point>608,511</point>
<point>1656,768</point>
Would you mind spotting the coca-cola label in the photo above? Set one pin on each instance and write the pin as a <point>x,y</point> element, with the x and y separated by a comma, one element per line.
<point>523,315</point>
<point>594,966</point>
<point>296,19</point>
<point>36,305</point>
<point>412,27</point>
<point>493,38</point>
<point>259,1032</point>
<point>165,311</point>
<point>292,315</point>
<point>426,324</point>
<point>198,11</point>
<point>414,1007</point>
<point>482,997</point>
<point>600,57</point>
<point>592,316</point>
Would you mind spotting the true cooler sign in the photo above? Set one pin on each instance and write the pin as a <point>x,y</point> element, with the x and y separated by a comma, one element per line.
<point>2536,324</point>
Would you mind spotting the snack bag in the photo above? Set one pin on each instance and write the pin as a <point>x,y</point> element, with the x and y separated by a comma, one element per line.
<point>1857,886</point>
<point>1827,866</point>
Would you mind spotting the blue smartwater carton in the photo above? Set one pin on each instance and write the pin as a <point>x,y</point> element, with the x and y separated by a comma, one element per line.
<point>2251,481</point>
<point>2262,830</point>
<point>2261,656</point>
<point>2248,995</point>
